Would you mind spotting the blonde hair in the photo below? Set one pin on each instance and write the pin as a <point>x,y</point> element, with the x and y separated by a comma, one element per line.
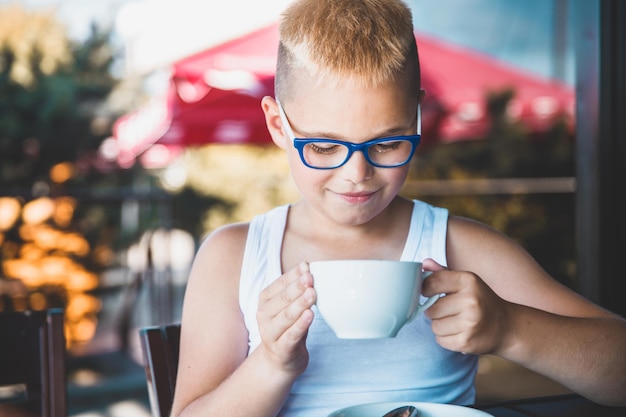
<point>368,41</point>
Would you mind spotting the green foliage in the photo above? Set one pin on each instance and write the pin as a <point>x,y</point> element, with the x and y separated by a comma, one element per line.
<point>50,120</point>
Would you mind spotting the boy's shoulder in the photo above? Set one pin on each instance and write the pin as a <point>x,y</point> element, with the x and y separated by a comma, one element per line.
<point>234,235</point>
<point>468,238</point>
<point>226,242</point>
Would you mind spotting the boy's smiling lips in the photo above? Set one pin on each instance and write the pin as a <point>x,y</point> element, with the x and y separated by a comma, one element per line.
<point>356,197</point>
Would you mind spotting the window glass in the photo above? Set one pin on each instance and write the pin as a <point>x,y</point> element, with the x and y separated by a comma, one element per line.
<point>503,151</point>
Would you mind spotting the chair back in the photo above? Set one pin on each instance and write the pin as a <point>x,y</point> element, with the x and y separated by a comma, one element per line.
<point>160,348</point>
<point>32,363</point>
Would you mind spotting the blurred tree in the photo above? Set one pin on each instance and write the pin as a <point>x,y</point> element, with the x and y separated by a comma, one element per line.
<point>50,92</point>
<point>53,117</point>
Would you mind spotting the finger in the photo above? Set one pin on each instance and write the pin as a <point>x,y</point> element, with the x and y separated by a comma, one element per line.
<point>441,282</point>
<point>294,290</point>
<point>273,300</point>
<point>285,280</point>
<point>447,326</point>
<point>456,342</point>
<point>296,332</point>
<point>295,309</point>
<point>289,315</point>
<point>445,306</point>
<point>282,308</point>
<point>430,264</point>
<point>275,297</point>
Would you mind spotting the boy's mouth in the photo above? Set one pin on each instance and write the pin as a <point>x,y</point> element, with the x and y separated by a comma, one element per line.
<point>355,198</point>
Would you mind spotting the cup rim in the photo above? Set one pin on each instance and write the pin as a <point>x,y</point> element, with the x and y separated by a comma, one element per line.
<point>363,261</point>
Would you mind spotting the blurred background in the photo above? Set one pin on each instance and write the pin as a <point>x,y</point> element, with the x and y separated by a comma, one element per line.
<point>131,129</point>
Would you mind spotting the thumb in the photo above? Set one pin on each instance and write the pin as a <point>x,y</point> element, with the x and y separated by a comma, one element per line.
<point>430,264</point>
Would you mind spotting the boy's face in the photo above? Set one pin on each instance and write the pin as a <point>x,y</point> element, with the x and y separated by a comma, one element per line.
<point>355,192</point>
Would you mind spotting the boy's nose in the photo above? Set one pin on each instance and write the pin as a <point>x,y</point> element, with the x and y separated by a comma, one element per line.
<point>357,169</point>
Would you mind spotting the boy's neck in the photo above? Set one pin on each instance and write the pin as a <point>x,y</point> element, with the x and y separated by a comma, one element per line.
<point>309,236</point>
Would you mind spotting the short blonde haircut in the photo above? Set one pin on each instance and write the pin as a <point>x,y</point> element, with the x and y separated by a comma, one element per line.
<point>368,41</point>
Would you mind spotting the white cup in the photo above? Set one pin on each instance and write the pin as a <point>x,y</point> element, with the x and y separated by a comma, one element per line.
<point>368,299</point>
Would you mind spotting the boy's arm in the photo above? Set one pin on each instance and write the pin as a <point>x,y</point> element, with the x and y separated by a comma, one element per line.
<point>215,375</point>
<point>509,306</point>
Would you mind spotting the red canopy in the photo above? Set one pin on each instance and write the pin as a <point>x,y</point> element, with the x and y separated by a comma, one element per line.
<point>214,96</point>
<point>459,80</point>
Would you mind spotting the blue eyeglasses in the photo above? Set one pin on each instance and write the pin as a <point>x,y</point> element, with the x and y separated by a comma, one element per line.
<point>320,153</point>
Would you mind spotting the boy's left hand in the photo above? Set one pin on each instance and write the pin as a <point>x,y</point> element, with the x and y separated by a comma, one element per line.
<point>470,318</point>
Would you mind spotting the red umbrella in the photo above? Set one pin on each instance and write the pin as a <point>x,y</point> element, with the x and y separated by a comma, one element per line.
<point>459,80</point>
<point>214,96</point>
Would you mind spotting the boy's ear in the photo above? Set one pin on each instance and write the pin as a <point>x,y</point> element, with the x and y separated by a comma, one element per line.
<point>273,122</point>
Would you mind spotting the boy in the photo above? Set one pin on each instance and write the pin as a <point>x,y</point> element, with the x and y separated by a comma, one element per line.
<point>252,342</point>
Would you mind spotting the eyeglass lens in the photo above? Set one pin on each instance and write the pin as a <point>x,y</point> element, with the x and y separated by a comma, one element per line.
<point>385,154</point>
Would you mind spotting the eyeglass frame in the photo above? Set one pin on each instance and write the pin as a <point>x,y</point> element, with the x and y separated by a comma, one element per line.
<point>300,143</point>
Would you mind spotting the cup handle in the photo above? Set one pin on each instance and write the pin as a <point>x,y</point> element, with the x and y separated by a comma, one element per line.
<point>429,302</point>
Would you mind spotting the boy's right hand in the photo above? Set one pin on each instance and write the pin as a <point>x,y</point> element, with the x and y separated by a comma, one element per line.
<point>284,317</point>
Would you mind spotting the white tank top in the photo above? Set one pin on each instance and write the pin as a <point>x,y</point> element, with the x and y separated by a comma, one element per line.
<point>409,367</point>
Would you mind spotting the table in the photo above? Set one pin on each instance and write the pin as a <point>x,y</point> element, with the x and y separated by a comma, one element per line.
<point>568,405</point>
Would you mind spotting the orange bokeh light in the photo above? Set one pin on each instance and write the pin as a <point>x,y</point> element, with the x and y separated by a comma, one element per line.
<point>55,269</point>
<point>31,252</point>
<point>26,271</point>
<point>38,211</point>
<point>73,243</point>
<point>27,232</point>
<point>9,212</point>
<point>64,211</point>
<point>37,301</point>
<point>62,172</point>
<point>43,260</point>
<point>84,329</point>
<point>46,237</point>
<point>80,305</point>
<point>81,280</point>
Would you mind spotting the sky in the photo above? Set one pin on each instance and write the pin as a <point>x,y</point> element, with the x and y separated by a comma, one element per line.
<point>518,31</point>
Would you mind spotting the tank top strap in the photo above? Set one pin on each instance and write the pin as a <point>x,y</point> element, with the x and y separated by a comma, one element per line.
<point>261,263</point>
<point>427,234</point>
